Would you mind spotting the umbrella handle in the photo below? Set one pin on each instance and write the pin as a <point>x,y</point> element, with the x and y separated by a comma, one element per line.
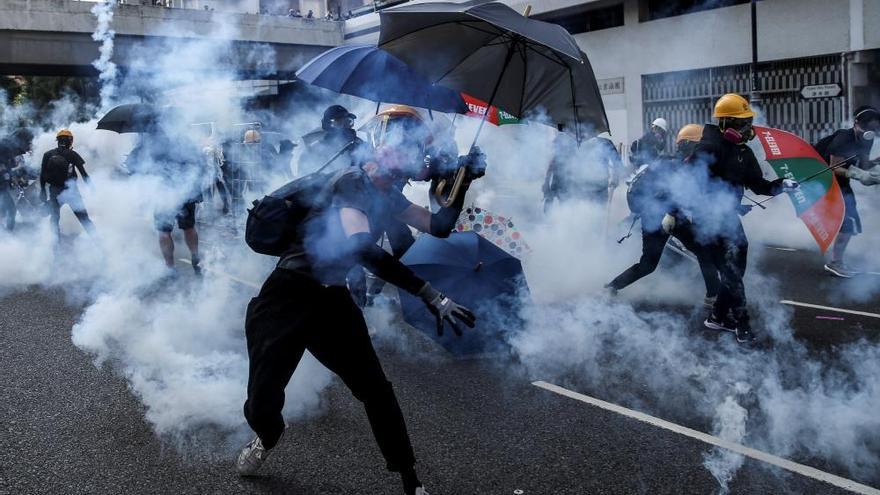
<point>456,189</point>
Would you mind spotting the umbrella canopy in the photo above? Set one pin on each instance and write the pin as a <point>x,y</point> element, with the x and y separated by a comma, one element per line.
<point>368,72</point>
<point>495,54</point>
<point>819,200</point>
<point>473,272</point>
<point>496,229</point>
<point>131,117</point>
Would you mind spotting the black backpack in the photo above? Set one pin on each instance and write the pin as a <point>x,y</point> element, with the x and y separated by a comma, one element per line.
<point>273,223</point>
<point>57,170</point>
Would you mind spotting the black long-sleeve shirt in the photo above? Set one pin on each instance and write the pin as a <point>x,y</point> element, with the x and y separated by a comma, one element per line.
<point>75,163</point>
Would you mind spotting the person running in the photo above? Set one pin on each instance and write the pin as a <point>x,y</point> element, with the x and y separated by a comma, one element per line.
<point>649,147</point>
<point>850,147</point>
<point>729,166</point>
<point>304,304</point>
<point>11,148</point>
<point>58,174</point>
<point>651,197</point>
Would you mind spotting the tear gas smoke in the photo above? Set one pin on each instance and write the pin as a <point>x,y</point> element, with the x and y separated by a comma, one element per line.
<point>103,12</point>
<point>181,347</point>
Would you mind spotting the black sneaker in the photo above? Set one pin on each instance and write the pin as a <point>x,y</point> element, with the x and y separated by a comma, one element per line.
<point>744,335</point>
<point>723,324</point>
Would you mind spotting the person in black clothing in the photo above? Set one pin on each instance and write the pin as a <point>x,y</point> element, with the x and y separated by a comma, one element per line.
<point>586,172</point>
<point>336,135</point>
<point>304,304</point>
<point>58,181</point>
<point>651,197</point>
<point>729,166</point>
<point>11,148</point>
<point>851,147</point>
<point>649,147</point>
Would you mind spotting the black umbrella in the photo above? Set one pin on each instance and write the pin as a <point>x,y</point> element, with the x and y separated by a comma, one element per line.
<point>369,72</point>
<point>131,117</point>
<point>475,272</point>
<point>497,55</point>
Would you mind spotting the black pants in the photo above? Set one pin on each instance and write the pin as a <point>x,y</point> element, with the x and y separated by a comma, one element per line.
<point>294,313</point>
<point>7,208</point>
<point>730,254</point>
<point>653,243</point>
<point>70,196</point>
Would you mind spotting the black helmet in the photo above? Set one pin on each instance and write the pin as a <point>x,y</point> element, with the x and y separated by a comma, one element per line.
<point>336,112</point>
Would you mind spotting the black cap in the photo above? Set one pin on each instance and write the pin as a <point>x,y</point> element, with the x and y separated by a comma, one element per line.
<point>866,113</point>
<point>337,112</point>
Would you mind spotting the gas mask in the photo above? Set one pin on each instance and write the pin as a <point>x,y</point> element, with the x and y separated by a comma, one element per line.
<point>739,134</point>
<point>868,135</point>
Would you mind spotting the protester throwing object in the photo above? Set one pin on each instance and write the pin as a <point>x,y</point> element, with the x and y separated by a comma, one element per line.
<point>305,305</point>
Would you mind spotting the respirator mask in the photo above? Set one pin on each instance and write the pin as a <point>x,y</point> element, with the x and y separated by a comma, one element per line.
<point>738,131</point>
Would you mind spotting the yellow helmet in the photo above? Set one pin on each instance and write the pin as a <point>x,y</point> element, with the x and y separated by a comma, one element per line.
<point>64,133</point>
<point>733,105</point>
<point>377,127</point>
<point>400,111</point>
<point>251,136</point>
<point>690,132</point>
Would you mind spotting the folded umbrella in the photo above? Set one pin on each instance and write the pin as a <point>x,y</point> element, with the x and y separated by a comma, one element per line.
<point>369,72</point>
<point>473,272</point>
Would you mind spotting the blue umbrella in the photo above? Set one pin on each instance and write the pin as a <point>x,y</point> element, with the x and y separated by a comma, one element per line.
<point>473,272</point>
<point>369,72</point>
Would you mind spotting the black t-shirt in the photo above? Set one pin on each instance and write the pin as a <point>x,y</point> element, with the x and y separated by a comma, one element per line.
<point>844,145</point>
<point>74,162</point>
<point>324,247</point>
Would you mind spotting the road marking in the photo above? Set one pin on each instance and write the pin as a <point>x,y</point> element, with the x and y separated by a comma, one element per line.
<point>224,274</point>
<point>718,442</point>
<point>780,248</point>
<point>830,308</point>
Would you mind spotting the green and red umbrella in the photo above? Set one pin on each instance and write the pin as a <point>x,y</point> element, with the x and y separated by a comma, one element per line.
<point>477,108</point>
<point>819,201</point>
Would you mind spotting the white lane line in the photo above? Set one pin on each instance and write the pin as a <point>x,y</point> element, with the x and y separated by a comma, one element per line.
<point>224,274</point>
<point>830,308</point>
<point>718,442</point>
<point>780,248</point>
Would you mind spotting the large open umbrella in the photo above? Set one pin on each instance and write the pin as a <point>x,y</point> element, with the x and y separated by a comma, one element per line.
<point>818,201</point>
<point>130,117</point>
<point>495,54</point>
<point>474,272</point>
<point>369,72</point>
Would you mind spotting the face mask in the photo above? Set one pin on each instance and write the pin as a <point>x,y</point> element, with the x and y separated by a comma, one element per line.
<point>736,136</point>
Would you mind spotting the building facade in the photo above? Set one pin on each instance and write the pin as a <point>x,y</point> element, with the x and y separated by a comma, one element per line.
<point>673,58</point>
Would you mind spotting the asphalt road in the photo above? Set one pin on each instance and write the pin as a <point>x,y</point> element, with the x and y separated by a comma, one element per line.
<point>68,427</point>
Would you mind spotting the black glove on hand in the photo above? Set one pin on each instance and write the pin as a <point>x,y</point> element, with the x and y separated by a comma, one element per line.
<point>475,163</point>
<point>444,309</point>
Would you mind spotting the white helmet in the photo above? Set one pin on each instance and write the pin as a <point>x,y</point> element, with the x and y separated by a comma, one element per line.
<point>661,123</point>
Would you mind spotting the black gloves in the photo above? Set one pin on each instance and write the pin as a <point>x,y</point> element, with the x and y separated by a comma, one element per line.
<point>444,309</point>
<point>475,164</point>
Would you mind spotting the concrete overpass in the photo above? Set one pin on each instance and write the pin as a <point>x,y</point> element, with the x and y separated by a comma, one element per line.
<point>54,37</point>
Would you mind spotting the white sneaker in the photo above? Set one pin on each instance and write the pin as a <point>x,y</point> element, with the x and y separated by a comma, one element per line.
<point>839,269</point>
<point>421,491</point>
<point>252,456</point>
